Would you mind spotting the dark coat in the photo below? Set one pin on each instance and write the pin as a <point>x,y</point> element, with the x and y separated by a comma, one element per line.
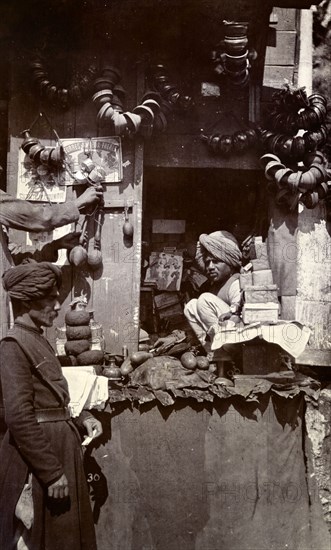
<point>31,379</point>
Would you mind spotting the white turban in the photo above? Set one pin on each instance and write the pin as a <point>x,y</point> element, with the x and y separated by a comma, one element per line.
<point>221,245</point>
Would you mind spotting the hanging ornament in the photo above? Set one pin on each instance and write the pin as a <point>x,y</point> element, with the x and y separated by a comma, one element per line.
<point>236,143</point>
<point>232,57</point>
<point>309,183</point>
<point>109,97</point>
<point>60,96</point>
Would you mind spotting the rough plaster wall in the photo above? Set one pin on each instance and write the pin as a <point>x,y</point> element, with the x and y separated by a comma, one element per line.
<point>319,432</point>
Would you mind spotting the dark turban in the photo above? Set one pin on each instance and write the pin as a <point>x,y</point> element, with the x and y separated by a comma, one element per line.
<point>221,245</point>
<point>31,281</point>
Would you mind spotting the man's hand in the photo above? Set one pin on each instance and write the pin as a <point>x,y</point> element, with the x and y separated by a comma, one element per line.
<point>59,489</point>
<point>162,345</point>
<point>91,195</point>
<point>93,427</point>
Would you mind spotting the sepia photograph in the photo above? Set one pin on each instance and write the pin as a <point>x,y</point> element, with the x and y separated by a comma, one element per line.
<point>165,235</point>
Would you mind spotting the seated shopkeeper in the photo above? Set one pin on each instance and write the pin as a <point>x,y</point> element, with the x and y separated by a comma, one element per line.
<point>219,256</point>
<point>41,453</point>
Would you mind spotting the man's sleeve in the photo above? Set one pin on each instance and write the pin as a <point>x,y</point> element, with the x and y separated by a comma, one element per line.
<point>24,215</point>
<point>235,293</point>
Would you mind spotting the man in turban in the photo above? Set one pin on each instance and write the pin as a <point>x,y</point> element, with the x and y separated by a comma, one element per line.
<point>219,256</point>
<point>26,216</point>
<point>44,500</point>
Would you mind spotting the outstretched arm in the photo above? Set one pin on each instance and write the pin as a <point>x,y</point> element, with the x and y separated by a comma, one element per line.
<point>28,216</point>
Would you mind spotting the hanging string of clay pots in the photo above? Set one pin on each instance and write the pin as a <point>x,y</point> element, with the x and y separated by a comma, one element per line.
<point>293,148</point>
<point>294,111</point>
<point>232,57</point>
<point>82,253</point>
<point>173,98</point>
<point>308,184</point>
<point>49,157</point>
<point>147,117</point>
<point>226,144</point>
<point>60,96</point>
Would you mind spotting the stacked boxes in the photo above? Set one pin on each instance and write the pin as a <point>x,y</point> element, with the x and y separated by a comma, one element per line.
<point>260,294</point>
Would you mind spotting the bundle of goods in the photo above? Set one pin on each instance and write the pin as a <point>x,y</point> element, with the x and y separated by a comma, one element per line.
<point>259,292</point>
<point>83,336</point>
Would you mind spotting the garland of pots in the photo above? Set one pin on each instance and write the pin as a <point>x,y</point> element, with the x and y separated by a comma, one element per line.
<point>308,184</point>
<point>293,164</point>
<point>60,96</point>
<point>294,111</point>
<point>226,144</point>
<point>145,118</point>
<point>231,57</point>
<point>44,158</point>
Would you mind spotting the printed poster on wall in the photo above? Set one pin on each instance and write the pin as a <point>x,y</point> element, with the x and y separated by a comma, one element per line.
<point>44,184</point>
<point>105,152</point>
<point>165,269</point>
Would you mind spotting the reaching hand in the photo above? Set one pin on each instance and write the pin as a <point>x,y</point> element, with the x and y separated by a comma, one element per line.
<point>93,427</point>
<point>59,489</point>
<point>91,195</point>
<point>162,345</point>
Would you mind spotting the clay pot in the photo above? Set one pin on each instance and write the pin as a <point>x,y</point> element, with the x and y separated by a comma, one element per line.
<point>112,74</point>
<point>298,148</point>
<point>160,122</point>
<point>214,142</point>
<point>251,136</point>
<point>112,372</point>
<point>35,151</point>
<point>153,105</point>
<point>133,122</point>
<point>235,28</point>
<point>267,158</point>
<point>120,123</point>
<point>310,200</point>
<point>235,45</point>
<point>28,141</point>
<point>314,158</point>
<point>94,259</point>
<point>102,97</point>
<point>78,255</point>
<point>281,175</point>
<point>102,112</point>
<point>56,156</point>
<point>225,145</point>
<point>272,168</point>
<point>322,190</point>
<point>102,84</point>
<point>151,95</point>
<point>240,141</point>
<point>127,226</point>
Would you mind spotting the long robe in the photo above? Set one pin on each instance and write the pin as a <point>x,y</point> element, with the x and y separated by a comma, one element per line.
<point>31,379</point>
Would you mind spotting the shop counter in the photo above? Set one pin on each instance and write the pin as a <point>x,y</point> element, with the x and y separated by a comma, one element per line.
<point>222,467</point>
